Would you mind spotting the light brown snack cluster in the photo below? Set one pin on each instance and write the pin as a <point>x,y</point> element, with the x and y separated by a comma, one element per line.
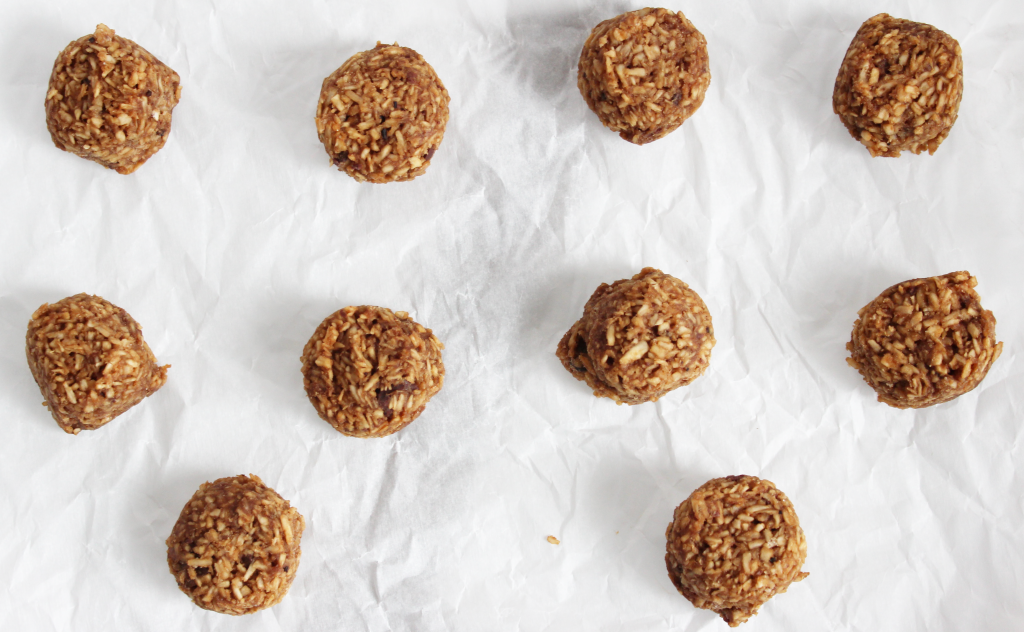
<point>924,341</point>
<point>370,372</point>
<point>381,116</point>
<point>639,338</point>
<point>235,547</point>
<point>735,543</point>
<point>644,72</point>
<point>110,101</point>
<point>899,86</point>
<point>90,361</point>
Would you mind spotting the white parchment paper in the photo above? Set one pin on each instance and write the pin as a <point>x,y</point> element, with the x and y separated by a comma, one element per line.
<point>238,238</point>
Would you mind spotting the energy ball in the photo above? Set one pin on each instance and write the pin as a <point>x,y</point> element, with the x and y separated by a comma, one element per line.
<point>381,116</point>
<point>924,341</point>
<point>90,361</point>
<point>235,547</point>
<point>899,86</point>
<point>110,101</point>
<point>639,338</point>
<point>735,543</point>
<point>644,72</point>
<point>370,372</point>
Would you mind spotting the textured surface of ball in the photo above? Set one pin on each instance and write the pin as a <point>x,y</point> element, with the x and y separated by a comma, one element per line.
<point>899,86</point>
<point>235,547</point>
<point>639,338</point>
<point>644,72</point>
<point>924,341</point>
<point>90,361</point>
<point>382,115</point>
<point>735,543</point>
<point>109,100</point>
<point>370,372</point>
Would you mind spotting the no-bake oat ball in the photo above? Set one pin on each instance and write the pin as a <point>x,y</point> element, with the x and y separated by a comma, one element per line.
<point>370,372</point>
<point>924,341</point>
<point>381,116</point>
<point>110,101</point>
<point>735,543</point>
<point>644,72</point>
<point>899,86</point>
<point>639,338</point>
<point>235,547</point>
<point>90,361</point>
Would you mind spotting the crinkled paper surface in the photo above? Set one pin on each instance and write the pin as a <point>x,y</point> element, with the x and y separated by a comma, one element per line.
<point>238,238</point>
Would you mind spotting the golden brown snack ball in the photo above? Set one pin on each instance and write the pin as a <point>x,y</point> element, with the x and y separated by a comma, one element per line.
<point>924,341</point>
<point>644,72</point>
<point>735,543</point>
<point>639,338</point>
<point>110,101</point>
<point>90,361</point>
<point>235,547</point>
<point>899,86</point>
<point>370,372</point>
<point>381,115</point>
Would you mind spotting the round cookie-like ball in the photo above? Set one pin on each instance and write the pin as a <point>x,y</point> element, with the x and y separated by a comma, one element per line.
<point>924,341</point>
<point>644,72</point>
<point>899,86</point>
<point>639,338</point>
<point>735,543</point>
<point>382,114</point>
<point>110,101</point>
<point>370,372</point>
<point>90,361</point>
<point>235,547</point>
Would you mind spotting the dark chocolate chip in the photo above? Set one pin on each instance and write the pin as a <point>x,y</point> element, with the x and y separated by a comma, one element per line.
<point>92,40</point>
<point>771,560</point>
<point>149,93</point>
<point>159,132</point>
<point>202,570</point>
<point>85,81</point>
<point>383,119</point>
<point>384,134</point>
<point>581,350</point>
<point>677,98</point>
<point>190,583</point>
<point>384,397</point>
<point>430,153</point>
<point>247,560</point>
<point>286,569</point>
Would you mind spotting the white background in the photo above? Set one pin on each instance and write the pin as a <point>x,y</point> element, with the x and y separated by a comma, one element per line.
<point>238,238</point>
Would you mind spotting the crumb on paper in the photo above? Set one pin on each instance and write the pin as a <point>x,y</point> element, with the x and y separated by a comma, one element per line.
<point>553,540</point>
